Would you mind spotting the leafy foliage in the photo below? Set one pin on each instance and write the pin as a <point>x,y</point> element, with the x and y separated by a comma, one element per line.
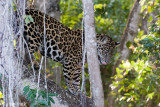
<point>71,13</point>
<point>110,15</point>
<point>138,77</point>
<point>139,83</point>
<point>44,99</point>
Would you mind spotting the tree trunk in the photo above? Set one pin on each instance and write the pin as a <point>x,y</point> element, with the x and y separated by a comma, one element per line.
<point>129,34</point>
<point>91,46</point>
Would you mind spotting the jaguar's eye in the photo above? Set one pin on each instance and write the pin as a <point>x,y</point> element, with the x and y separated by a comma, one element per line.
<point>117,43</point>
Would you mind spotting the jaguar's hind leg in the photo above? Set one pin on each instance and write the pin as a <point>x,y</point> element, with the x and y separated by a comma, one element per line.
<point>72,77</point>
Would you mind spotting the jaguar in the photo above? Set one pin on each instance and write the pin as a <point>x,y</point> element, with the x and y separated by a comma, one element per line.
<point>63,45</point>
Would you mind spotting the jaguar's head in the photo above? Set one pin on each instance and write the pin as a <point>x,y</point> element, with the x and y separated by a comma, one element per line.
<point>105,48</point>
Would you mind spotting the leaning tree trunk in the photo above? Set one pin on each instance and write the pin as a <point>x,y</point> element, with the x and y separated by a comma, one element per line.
<point>129,34</point>
<point>91,46</point>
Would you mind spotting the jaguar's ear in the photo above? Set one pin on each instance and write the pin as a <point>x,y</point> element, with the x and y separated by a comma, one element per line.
<point>102,40</point>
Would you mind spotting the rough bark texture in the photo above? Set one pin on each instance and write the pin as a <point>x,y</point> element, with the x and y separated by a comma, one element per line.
<point>144,27</point>
<point>93,66</point>
<point>129,34</point>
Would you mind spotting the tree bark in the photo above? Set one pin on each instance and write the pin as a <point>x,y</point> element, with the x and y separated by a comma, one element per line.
<point>91,46</point>
<point>129,34</point>
<point>144,27</point>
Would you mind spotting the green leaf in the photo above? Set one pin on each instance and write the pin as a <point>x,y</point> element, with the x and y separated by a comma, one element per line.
<point>49,103</point>
<point>40,94</point>
<point>27,21</point>
<point>52,94</point>
<point>149,45</point>
<point>151,95</point>
<point>140,79</point>
<point>143,8</point>
<point>32,104</point>
<point>127,94</point>
<point>122,88</point>
<point>128,44</point>
<point>29,95</point>
<point>43,94</point>
<point>150,19</point>
<point>14,6</point>
<point>26,89</point>
<point>51,99</point>
<point>98,6</point>
<point>149,9</point>
<point>148,88</point>
<point>33,96</point>
<point>148,69</point>
<point>30,18</point>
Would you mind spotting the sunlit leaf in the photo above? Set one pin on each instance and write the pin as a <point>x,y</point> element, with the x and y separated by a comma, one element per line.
<point>1,95</point>
<point>128,44</point>
<point>14,6</point>
<point>149,9</point>
<point>150,95</point>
